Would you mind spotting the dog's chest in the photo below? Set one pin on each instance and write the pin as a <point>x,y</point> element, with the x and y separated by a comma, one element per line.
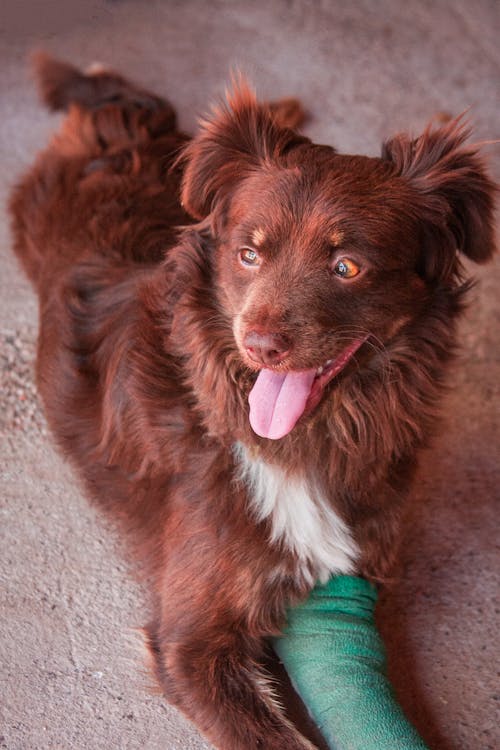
<point>300,519</point>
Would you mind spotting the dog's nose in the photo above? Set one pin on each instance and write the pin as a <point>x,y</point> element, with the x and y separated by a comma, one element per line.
<point>266,348</point>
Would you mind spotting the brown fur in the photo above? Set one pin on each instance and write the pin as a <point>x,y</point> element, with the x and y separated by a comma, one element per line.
<point>144,370</point>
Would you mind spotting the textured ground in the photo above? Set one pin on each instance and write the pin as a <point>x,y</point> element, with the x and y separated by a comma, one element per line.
<point>70,670</point>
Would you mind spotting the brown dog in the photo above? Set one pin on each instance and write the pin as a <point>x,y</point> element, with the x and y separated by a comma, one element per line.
<point>248,394</point>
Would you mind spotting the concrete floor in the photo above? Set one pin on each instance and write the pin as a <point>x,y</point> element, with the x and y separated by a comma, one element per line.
<point>70,668</point>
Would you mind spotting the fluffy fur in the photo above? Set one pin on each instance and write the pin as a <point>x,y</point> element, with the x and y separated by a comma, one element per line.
<point>151,338</point>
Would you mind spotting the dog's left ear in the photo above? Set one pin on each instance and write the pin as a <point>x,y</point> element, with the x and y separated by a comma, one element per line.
<point>240,136</point>
<point>454,195</point>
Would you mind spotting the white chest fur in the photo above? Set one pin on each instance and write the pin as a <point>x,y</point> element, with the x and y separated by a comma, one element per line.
<point>300,518</point>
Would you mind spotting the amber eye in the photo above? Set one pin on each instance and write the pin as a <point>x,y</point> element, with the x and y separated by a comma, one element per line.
<point>249,257</point>
<point>345,268</point>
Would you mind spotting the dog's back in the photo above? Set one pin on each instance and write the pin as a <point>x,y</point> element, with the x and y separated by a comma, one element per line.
<point>113,155</point>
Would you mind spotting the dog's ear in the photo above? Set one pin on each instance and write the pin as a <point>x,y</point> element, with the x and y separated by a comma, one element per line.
<point>240,136</point>
<point>454,195</point>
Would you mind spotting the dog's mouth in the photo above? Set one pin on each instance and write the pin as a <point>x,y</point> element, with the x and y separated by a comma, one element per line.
<point>278,399</point>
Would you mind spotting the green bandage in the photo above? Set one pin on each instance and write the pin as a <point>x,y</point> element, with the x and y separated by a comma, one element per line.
<point>335,659</point>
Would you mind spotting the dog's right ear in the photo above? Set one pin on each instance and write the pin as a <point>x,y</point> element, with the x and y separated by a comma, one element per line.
<point>239,137</point>
<point>454,195</point>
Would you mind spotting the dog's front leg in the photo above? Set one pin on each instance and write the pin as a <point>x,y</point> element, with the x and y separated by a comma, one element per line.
<point>212,673</point>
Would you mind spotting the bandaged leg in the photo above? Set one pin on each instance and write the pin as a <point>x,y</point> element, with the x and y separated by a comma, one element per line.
<point>335,659</point>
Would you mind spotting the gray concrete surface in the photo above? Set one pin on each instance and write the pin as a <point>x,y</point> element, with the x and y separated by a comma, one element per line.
<point>70,667</point>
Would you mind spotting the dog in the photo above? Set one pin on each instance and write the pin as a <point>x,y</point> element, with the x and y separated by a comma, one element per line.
<point>244,340</point>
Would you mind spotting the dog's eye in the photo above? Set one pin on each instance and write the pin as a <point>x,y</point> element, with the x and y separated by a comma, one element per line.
<point>345,268</point>
<point>249,257</point>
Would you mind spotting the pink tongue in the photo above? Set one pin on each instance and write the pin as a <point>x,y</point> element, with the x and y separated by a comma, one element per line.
<point>277,400</point>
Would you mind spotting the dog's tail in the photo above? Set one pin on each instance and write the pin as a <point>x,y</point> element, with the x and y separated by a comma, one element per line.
<point>112,128</point>
<point>104,93</point>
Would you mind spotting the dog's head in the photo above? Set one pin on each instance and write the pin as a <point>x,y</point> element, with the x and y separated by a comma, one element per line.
<point>318,252</point>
